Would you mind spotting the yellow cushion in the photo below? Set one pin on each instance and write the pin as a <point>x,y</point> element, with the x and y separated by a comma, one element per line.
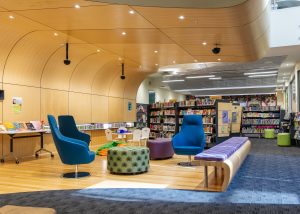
<point>10,209</point>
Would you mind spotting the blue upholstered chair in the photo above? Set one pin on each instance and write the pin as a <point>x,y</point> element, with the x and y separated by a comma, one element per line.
<point>191,138</point>
<point>68,128</point>
<point>71,151</point>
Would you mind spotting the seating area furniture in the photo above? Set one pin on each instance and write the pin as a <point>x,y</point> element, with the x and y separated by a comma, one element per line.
<point>191,138</point>
<point>68,128</point>
<point>145,135</point>
<point>71,151</point>
<point>128,160</point>
<point>283,139</point>
<point>227,156</point>
<point>11,209</point>
<point>109,136</point>
<point>269,133</point>
<point>136,137</point>
<point>160,148</point>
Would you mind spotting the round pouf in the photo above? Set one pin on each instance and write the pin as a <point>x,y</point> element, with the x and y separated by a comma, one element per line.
<point>128,160</point>
<point>283,139</point>
<point>160,148</point>
<point>269,133</point>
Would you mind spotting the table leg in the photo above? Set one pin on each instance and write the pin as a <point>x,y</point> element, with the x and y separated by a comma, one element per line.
<point>205,177</point>
<point>42,147</point>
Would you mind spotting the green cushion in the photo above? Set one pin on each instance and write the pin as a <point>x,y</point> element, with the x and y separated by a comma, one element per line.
<point>128,160</point>
<point>283,139</point>
<point>269,133</point>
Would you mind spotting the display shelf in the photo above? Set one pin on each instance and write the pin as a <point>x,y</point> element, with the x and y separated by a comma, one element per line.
<point>256,119</point>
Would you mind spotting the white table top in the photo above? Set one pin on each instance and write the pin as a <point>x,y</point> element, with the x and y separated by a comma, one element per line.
<point>127,133</point>
<point>22,132</point>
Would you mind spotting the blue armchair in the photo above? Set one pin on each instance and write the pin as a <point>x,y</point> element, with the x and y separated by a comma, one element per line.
<point>191,138</point>
<point>71,151</point>
<point>68,128</point>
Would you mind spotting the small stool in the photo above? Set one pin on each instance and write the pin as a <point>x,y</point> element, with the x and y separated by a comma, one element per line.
<point>128,160</point>
<point>160,148</point>
<point>269,133</point>
<point>10,209</point>
<point>283,139</point>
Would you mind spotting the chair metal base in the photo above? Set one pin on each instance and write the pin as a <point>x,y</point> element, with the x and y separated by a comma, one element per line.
<point>189,163</point>
<point>76,174</point>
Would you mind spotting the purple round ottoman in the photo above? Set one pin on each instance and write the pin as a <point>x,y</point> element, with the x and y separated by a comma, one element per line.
<point>160,148</point>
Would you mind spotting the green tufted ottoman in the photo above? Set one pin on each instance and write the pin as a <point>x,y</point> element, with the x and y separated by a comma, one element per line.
<point>269,133</point>
<point>283,139</point>
<point>128,160</point>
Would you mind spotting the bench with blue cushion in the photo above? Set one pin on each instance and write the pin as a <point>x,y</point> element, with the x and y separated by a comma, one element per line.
<point>228,155</point>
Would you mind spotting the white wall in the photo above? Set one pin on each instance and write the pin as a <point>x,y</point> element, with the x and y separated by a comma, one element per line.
<point>285,28</point>
<point>161,95</point>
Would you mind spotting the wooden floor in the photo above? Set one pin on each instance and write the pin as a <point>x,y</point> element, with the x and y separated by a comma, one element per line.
<point>45,174</point>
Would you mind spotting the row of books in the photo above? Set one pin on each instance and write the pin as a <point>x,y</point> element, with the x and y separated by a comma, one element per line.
<point>21,126</point>
<point>169,112</point>
<point>161,135</point>
<point>205,102</point>
<point>260,121</point>
<point>262,108</point>
<point>210,112</point>
<point>297,117</point>
<point>163,105</point>
<point>256,130</point>
<point>160,127</point>
<point>198,102</point>
<point>297,135</point>
<point>165,120</point>
<point>208,138</point>
<point>205,120</point>
<point>261,115</point>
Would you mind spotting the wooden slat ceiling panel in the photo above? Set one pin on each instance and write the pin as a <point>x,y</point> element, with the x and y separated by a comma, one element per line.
<point>42,4</point>
<point>93,17</point>
<point>145,54</point>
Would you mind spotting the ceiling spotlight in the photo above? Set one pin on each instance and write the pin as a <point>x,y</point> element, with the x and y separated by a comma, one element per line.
<point>55,34</point>
<point>156,64</point>
<point>219,59</point>
<point>120,59</point>
<point>195,60</point>
<point>156,51</point>
<point>204,43</point>
<point>181,17</point>
<point>124,33</point>
<point>131,11</point>
<point>174,61</point>
<point>11,17</point>
<point>98,50</point>
<point>77,6</point>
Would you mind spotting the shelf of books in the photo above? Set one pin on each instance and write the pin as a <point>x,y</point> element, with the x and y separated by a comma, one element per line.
<point>162,119</point>
<point>206,108</point>
<point>256,119</point>
<point>296,126</point>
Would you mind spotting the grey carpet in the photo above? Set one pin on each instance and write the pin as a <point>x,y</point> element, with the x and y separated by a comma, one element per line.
<point>268,182</point>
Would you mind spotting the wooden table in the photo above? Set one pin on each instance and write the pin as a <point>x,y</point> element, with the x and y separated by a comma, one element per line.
<point>123,135</point>
<point>33,133</point>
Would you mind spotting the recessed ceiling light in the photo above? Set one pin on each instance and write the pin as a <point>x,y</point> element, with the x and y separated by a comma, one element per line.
<point>200,77</point>
<point>55,34</point>
<point>219,59</point>
<point>98,50</point>
<point>156,51</point>
<point>77,6</point>
<point>131,11</point>
<point>195,60</point>
<point>174,61</point>
<point>172,81</point>
<point>229,88</point>
<point>124,33</point>
<point>11,17</point>
<point>263,72</point>
<point>262,75</point>
<point>120,59</point>
<point>204,43</point>
<point>156,64</point>
<point>181,17</point>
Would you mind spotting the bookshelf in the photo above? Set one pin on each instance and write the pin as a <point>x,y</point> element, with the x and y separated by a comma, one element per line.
<point>206,108</point>
<point>256,119</point>
<point>141,116</point>
<point>295,126</point>
<point>162,119</point>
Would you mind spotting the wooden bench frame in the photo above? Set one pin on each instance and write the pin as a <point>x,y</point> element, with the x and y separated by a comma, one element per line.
<point>229,166</point>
